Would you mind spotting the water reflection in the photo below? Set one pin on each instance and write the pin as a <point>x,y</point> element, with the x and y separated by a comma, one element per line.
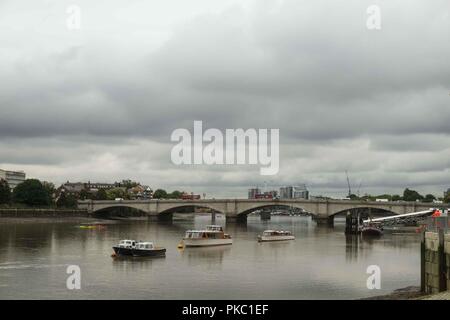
<point>352,246</point>
<point>134,263</point>
<point>212,256</point>
<point>320,263</point>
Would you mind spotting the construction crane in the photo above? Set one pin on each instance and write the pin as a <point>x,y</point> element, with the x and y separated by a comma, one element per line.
<point>348,183</point>
<point>359,188</point>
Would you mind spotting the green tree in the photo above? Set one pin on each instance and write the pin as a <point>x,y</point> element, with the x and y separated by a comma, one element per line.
<point>84,194</point>
<point>447,198</point>
<point>66,201</point>
<point>32,193</point>
<point>411,195</point>
<point>50,187</point>
<point>128,184</point>
<point>175,195</point>
<point>101,195</point>
<point>51,190</point>
<point>160,194</point>
<point>5,192</point>
<point>429,198</point>
<point>396,197</point>
<point>116,193</point>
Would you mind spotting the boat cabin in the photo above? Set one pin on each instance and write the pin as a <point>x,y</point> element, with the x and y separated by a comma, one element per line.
<point>205,234</point>
<point>269,233</point>
<point>127,243</point>
<point>145,246</point>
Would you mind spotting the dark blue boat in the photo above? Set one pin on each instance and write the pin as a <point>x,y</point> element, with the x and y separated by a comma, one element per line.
<point>138,249</point>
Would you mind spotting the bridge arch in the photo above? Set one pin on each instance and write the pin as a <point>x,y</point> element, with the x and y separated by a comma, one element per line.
<point>184,207</point>
<point>119,211</point>
<point>364,209</point>
<point>254,207</point>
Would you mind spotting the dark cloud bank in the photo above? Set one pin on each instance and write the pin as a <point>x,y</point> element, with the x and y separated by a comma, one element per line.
<point>100,103</point>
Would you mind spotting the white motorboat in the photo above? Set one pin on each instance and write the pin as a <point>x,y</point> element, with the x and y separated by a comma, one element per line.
<point>213,235</point>
<point>275,235</point>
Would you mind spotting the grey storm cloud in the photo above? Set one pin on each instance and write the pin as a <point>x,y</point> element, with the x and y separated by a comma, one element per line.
<point>102,101</point>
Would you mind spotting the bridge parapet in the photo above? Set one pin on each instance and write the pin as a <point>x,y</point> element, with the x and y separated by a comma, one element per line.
<point>321,209</point>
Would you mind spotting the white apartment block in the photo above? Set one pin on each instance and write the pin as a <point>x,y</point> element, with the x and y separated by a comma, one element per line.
<point>12,177</point>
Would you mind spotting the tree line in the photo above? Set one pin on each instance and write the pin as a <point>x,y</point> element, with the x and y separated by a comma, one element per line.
<point>31,192</point>
<point>408,195</point>
<point>34,193</point>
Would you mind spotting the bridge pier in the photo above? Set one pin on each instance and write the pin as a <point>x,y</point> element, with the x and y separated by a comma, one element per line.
<point>160,217</point>
<point>153,218</point>
<point>165,217</point>
<point>324,221</point>
<point>265,215</point>
<point>242,218</point>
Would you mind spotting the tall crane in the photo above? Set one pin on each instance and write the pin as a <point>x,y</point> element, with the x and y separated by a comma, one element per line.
<point>348,183</point>
<point>359,188</point>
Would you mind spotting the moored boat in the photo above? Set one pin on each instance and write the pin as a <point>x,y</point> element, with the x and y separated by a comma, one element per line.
<point>275,235</point>
<point>138,249</point>
<point>371,230</point>
<point>213,235</point>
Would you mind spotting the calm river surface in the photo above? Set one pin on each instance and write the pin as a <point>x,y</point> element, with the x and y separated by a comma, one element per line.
<point>320,264</point>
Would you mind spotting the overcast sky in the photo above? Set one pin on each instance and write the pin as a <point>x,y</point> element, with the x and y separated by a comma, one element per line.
<point>99,103</point>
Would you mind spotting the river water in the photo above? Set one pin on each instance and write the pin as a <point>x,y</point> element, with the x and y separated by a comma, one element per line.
<point>322,263</point>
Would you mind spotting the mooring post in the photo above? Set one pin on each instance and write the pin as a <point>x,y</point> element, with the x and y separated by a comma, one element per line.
<point>265,215</point>
<point>441,262</point>
<point>348,220</point>
<point>422,261</point>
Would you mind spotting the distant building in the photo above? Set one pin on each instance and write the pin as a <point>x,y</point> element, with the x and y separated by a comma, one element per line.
<point>100,185</point>
<point>255,193</point>
<point>71,188</point>
<point>140,192</point>
<point>267,195</point>
<point>252,193</point>
<point>12,177</point>
<point>134,189</point>
<point>192,196</point>
<point>75,188</point>
<point>294,192</point>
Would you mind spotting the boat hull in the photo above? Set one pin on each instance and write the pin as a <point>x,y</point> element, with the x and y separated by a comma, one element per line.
<point>371,232</point>
<point>206,242</point>
<point>139,253</point>
<point>275,238</point>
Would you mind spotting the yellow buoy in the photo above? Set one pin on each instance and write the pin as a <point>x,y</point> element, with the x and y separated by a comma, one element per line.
<point>180,245</point>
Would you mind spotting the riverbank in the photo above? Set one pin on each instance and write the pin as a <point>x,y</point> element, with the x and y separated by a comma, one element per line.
<point>407,293</point>
<point>411,293</point>
<point>42,213</point>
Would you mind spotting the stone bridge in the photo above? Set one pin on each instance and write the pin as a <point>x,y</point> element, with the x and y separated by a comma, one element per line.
<point>323,211</point>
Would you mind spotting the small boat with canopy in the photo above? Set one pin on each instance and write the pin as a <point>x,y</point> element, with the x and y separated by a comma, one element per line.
<point>212,235</point>
<point>275,235</point>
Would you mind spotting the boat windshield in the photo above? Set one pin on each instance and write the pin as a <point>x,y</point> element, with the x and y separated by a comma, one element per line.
<point>214,228</point>
<point>194,234</point>
<point>127,242</point>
